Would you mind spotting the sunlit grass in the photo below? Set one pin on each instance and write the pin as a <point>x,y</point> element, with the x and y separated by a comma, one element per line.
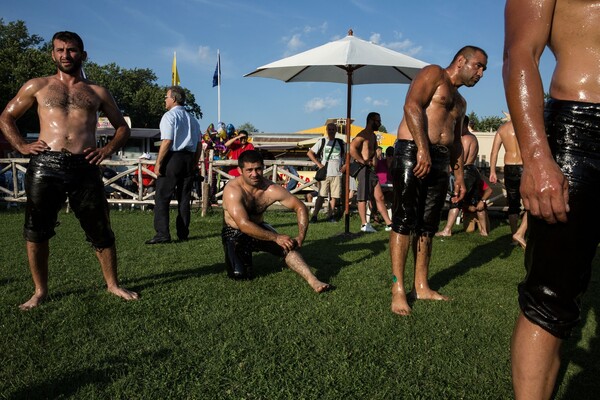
<point>196,334</point>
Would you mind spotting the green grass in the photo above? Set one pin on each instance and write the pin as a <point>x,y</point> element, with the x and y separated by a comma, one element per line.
<point>195,334</point>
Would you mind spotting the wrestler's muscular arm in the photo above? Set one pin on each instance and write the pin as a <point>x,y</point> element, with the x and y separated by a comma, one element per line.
<point>494,155</point>
<point>235,209</point>
<point>293,203</point>
<point>122,132</point>
<point>418,98</point>
<point>357,150</point>
<point>456,155</point>
<point>544,188</point>
<point>22,102</point>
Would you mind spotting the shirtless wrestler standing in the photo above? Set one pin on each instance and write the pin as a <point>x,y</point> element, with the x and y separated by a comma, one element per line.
<point>513,169</point>
<point>64,161</point>
<point>560,185</point>
<point>245,200</point>
<point>429,142</point>
<point>362,149</point>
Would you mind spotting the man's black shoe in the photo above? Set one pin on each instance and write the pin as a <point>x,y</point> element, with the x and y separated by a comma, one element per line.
<point>156,240</point>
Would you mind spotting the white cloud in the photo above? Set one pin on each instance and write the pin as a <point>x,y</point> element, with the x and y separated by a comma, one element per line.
<point>206,54</point>
<point>319,103</point>
<point>364,7</point>
<point>375,38</point>
<point>375,102</point>
<point>293,44</point>
<point>405,46</point>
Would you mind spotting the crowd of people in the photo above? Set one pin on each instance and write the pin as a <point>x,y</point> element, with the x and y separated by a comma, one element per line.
<point>550,167</point>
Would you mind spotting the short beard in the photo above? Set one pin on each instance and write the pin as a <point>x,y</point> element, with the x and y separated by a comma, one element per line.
<point>75,66</point>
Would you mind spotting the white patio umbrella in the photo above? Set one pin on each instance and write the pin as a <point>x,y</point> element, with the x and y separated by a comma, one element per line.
<point>349,60</point>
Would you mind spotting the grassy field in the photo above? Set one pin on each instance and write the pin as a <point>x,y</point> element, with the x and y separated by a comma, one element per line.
<point>195,334</point>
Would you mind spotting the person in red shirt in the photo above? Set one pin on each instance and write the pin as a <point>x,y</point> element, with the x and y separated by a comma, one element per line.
<point>236,146</point>
<point>147,179</point>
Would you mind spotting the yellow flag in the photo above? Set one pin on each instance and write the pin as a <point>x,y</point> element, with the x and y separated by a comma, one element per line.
<point>174,74</point>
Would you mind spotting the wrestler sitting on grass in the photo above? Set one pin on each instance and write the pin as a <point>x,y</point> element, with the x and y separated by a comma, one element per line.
<point>245,199</point>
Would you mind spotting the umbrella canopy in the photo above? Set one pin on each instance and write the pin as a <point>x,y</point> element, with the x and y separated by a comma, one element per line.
<point>349,60</point>
<point>331,62</point>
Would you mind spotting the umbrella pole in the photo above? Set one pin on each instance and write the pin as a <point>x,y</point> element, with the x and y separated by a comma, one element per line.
<point>348,138</point>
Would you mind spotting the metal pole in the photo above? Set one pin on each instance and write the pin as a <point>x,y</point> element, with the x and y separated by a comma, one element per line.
<point>348,138</point>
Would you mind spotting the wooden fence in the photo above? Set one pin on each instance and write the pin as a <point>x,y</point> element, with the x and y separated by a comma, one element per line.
<point>121,190</point>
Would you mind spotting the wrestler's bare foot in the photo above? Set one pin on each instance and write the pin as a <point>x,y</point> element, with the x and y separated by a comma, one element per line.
<point>427,294</point>
<point>443,233</point>
<point>319,286</point>
<point>399,302</point>
<point>34,301</point>
<point>123,293</point>
<point>483,233</point>
<point>520,240</point>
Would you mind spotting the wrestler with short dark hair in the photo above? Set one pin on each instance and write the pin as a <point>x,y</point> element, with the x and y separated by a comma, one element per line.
<point>429,142</point>
<point>245,200</point>
<point>64,161</point>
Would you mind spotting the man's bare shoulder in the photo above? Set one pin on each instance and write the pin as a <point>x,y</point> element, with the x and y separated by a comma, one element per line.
<point>431,72</point>
<point>363,134</point>
<point>469,138</point>
<point>426,84</point>
<point>232,186</point>
<point>506,130</point>
<point>34,85</point>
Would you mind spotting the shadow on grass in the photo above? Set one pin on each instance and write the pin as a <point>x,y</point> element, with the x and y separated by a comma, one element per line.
<point>584,384</point>
<point>71,382</point>
<point>323,255</point>
<point>163,278</point>
<point>480,256</point>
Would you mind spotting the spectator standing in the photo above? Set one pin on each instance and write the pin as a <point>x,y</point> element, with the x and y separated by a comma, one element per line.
<point>176,166</point>
<point>330,151</point>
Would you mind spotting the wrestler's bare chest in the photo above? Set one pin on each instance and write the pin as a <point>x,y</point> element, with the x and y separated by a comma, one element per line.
<point>256,205</point>
<point>67,99</point>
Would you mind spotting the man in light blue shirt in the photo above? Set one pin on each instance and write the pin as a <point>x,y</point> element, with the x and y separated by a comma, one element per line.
<point>176,166</point>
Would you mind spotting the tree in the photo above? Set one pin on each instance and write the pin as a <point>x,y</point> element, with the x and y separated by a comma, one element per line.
<point>24,56</point>
<point>248,127</point>
<point>485,124</point>
<point>136,93</point>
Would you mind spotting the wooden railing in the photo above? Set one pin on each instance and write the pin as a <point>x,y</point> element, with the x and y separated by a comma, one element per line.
<point>121,192</point>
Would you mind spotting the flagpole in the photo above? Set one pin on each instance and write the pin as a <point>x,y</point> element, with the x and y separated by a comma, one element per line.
<point>218,85</point>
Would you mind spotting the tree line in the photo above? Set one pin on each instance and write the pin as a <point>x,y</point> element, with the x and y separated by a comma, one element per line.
<point>24,56</point>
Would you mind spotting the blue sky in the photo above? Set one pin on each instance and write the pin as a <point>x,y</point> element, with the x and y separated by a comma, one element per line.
<point>249,34</point>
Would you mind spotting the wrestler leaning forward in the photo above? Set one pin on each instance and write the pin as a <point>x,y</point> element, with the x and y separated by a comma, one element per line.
<point>429,142</point>
<point>64,161</point>
<point>245,199</point>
